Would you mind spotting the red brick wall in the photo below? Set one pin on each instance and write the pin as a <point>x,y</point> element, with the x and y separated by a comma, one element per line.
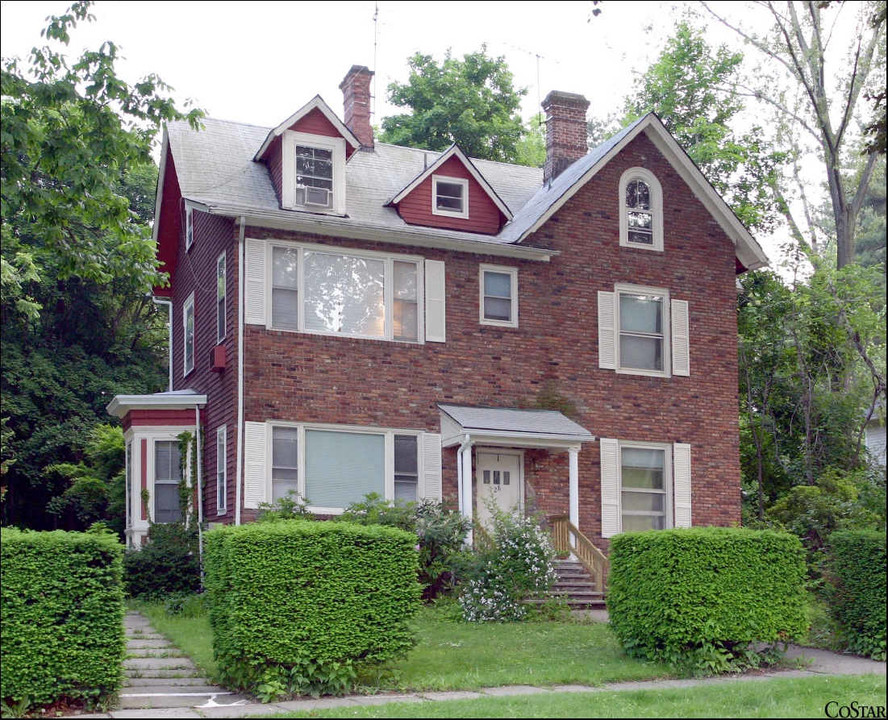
<point>290,376</point>
<point>484,215</point>
<point>196,272</point>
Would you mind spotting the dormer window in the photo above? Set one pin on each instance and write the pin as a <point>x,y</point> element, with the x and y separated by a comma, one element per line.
<point>450,196</point>
<point>641,210</point>
<point>313,173</point>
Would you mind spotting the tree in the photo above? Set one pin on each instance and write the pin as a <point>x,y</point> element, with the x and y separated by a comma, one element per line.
<point>77,265</point>
<point>471,102</point>
<point>689,89</point>
<point>820,103</point>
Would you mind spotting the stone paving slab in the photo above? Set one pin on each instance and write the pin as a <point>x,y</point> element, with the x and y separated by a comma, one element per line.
<point>452,695</point>
<point>159,713</point>
<point>163,687</point>
<point>176,700</point>
<point>140,644</point>
<point>514,690</point>
<point>170,674</point>
<point>239,711</point>
<point>158,663</point>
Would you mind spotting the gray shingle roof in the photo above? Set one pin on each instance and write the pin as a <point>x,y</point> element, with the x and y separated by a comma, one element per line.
<point>215,167</point>
<point>513,420</point>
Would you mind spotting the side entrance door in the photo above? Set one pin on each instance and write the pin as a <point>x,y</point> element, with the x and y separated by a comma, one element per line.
<point>497,481</point>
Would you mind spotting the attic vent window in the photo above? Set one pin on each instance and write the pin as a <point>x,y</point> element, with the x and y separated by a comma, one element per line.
<point>314,176</point>
<point>450,196</point>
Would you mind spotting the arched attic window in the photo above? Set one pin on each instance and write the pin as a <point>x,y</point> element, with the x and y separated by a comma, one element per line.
<point>641,210</point>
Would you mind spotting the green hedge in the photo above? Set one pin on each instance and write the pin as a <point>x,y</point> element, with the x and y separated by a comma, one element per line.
<point>857,570</point>
<point>62,617</point>
<point>702,596</point>
<point>295,606</point>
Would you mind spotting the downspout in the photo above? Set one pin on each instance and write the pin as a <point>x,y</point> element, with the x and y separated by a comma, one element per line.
<point>199,479</point>
<point>240,370</point>
<point>169,304</point>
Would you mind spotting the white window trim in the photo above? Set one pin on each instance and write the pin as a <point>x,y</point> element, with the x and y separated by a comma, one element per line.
<point>223,261</point>
<point>669,521</point>
<point>189,305</point>
<point>387,433</point>
<point>456,181</point>
<point>289,141</point>
<point>153,438</point>
<point>504,270</point>
<point>639,173</point>
<point>222,499</point>
<point>666,324</point>
<point>389,260</point>
<point>189,227</point>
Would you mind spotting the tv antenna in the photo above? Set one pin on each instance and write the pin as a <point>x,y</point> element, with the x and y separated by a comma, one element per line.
<point>375,47</point>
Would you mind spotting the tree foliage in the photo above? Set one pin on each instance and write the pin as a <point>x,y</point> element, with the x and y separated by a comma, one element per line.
<point>471,102</point>
<point>78,263</point>
<point>689,88</point>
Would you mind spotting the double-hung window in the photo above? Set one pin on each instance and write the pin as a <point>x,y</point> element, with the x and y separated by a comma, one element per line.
<point>450,196</point>
<point>322,290</point>
<point>643,342</point>
<point>284,465</point>
<point>188,334</point>
<point>189,227</point>
<point>221,471</point>
<point>499,296</point>
<point>167,475</point>
<point>313,173</point>
<point>644,488</point>
<point>220,298</point>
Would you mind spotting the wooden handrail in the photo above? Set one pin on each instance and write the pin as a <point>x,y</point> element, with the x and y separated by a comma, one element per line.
<point>567,538</point>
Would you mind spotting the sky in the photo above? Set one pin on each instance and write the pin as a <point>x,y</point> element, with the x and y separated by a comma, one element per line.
<point>258,62</point>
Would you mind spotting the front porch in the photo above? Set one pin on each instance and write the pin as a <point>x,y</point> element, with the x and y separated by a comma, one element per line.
<point>492,445</point>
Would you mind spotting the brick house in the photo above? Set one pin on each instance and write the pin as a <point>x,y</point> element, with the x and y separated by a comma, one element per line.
<point>351,317</point>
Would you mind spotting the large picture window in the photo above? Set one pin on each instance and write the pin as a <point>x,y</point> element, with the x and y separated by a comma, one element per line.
<point>356,294</point>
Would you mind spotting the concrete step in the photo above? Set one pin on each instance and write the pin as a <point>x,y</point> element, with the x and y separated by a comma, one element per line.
<point>131,701</point>
<point>134,683</point>
<point>162,674</point>
<point>155,652</point>
<point>158,663</point>
<point>140,644</point>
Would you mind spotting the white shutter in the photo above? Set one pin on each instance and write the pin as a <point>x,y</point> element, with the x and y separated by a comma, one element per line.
<point>435,304</point>
<point>611,521</point>
<point>681,357</point>
<point>681,484</point>
<point>255,459</point>
<point>430,457</point>
<point>254,286</point>
<point>607,349</point>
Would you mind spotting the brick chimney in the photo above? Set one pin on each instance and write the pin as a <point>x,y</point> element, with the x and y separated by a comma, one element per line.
<point>356,98</point>
<point>565,131</point>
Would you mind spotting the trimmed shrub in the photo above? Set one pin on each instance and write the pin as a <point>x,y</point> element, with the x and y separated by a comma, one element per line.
<point>517,566</point>
<point>167,565</point>
<point>297,606</point>
<point>61,616</point>
<point>857,573</point>
<point>701,597</point>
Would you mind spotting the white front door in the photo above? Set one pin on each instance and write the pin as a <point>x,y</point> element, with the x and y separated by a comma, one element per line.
<point>498,482</point>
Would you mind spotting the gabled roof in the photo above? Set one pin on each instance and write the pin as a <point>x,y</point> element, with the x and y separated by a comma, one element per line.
<point>316,103</point>
<point>547,201</point>
<point>454,151</point>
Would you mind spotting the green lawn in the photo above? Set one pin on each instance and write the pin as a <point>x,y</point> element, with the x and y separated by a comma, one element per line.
<point>453,655</point>
<point>781,698</point>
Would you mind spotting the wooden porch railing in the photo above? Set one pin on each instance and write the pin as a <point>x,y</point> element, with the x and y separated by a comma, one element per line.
<point>566,538</point>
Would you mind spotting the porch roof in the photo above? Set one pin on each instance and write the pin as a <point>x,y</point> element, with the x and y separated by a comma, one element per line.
<point>540,428</point>
<point>172,400</point>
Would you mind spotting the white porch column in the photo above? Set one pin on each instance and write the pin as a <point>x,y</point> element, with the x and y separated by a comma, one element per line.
<point>467,484</point>
<point>574,486</point>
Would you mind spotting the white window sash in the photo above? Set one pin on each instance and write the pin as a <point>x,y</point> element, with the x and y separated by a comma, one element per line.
<point>221,298</point>
<point>655,211</point>
<point>462,182</point>
<point>665,324</point>
<point>291,139</point>
<point>667,489</point>
<point>187,335</point>
<point>512,272</point>
<point>388,260</point>
<point>221,470</point>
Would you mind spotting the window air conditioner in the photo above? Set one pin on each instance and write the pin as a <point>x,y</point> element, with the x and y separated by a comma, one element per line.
<point>314,196</point>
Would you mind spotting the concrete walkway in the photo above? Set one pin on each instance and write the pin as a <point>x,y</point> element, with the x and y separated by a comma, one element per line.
<point>176,690</point>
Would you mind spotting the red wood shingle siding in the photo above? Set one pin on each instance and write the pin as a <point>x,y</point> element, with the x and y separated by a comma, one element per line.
<point>484,215</point>
<point>170,223</point>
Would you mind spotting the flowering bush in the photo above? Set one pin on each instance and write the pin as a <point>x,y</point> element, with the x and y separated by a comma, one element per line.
<point>516,567</point>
